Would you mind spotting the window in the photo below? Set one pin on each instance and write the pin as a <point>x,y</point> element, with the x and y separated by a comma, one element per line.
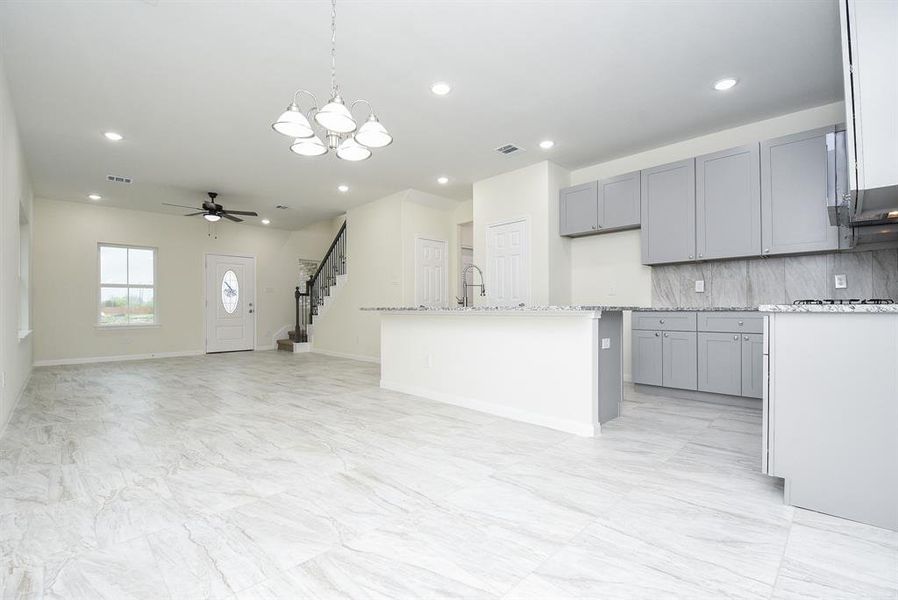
<point>127,285</point>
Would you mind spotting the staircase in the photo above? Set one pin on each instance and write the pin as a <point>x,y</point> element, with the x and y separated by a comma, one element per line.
<point>313,301</point>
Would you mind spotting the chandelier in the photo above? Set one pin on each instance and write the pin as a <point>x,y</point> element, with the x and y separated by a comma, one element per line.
<point>339,130</point>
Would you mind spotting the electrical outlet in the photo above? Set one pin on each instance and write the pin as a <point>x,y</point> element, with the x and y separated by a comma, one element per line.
<point>606,343</point>
<point>700,285</point>
<point>841,281</point>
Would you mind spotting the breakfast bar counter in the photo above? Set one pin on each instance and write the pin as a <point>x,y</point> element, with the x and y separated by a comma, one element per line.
<point>555,366</point>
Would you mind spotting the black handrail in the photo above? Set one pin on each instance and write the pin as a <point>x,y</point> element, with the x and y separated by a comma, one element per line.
<point>328,253</point>
<point>332,265</point>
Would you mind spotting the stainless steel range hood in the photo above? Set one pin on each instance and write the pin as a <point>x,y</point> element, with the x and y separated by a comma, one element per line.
<point>869,56</point>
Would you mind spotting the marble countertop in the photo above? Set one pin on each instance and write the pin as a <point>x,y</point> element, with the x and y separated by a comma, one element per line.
<point>830,308</point>
<point>557,309</point>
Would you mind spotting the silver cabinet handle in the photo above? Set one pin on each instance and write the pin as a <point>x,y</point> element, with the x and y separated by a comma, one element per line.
<point>745,338</point>
<point>700,255</point>
<point>666,335</point>
<point>661,321</point>
<point>657,334</point>
<point>735,337</point>
<point>690,256</point>
<point>741,323</point>
<point>766,250</point>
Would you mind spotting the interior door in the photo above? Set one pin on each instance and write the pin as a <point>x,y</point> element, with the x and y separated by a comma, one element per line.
<point>230,303</point>
<point>431,272</point>
<point>508,264</point>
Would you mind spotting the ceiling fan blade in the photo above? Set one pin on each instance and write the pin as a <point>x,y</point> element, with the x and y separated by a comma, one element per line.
<point>248,213</point>
<point>235,219</point>
<point>202,212</point>
<point>181,206</point>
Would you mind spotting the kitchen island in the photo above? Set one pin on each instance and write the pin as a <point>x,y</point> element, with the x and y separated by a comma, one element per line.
<point>556,366</point>
<point>831,408</point>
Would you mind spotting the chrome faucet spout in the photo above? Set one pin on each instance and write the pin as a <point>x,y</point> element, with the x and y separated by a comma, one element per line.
<point>464,281</point>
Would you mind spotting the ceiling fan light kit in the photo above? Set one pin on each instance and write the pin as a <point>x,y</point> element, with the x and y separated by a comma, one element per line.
<point>341,133</point>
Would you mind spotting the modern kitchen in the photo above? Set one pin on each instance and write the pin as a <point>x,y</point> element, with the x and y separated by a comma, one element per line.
<point>752,249</point>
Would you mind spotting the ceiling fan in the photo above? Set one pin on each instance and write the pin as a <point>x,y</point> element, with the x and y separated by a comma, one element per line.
<point>213,212</point>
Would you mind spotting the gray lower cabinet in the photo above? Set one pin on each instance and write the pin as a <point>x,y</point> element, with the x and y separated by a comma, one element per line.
<point>795,171</point>
<point>646,348</point>
<point>668,213</point>
<point>619,199</point>
<point>753,365</point>
<point>728,203</point>
<point>678,360</point>
<point>720,363</point>
<point>578,209</point>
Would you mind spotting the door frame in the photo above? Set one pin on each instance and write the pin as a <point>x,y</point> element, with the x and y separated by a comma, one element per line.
<point>206,256</point>
<point>527,233</point>
<point>430,238</point>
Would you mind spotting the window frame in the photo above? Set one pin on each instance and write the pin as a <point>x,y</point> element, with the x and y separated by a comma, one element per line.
<point>127,286</point>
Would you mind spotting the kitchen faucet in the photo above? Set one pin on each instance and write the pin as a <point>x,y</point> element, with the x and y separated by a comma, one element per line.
<point>463,301</point>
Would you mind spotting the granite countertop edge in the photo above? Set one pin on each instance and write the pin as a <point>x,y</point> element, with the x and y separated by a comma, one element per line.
<point>830,308</point>
<point>563,308</point>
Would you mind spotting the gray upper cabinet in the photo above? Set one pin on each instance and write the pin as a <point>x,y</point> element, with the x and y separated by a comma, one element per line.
<point>646,348</point>
<point>753,365</point>
<point>678,360</point>
<point>668,213</point>
<point>794,191</point>
<point>579,209</point>
<point>720,363</point>
<point>619,199</point>
<point>728,203</point>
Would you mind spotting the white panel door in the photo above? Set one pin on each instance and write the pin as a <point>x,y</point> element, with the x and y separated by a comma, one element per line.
<point>230,303</point>
<point>508,264</point>
<point>431,272</point>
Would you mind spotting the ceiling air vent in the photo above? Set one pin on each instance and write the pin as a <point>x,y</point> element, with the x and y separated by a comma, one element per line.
<point>282,207</point>
<point>509,149</point>
<point>118,179</point>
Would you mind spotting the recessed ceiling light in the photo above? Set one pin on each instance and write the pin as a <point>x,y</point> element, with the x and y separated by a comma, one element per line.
<point>546,144</point>
<point>265,221</point>
<point>442,180</point>
<point>95,196</point>
<point>441,88</point>
<point>113,136</point>
<point>343,188</point>
<point>724,84</point>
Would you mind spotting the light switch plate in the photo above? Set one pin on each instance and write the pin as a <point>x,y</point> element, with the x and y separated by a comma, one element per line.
<point>606,343</point>
<point>700,285</point>
<point>841,281</point>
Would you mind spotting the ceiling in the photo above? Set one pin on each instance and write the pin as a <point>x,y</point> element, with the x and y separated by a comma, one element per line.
<point>194,87</point>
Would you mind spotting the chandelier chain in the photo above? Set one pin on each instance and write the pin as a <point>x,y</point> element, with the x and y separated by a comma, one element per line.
<point>333,47</point>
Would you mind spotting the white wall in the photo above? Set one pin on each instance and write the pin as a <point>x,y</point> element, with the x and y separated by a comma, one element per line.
<point>530,192</point>
<point>380,255</point>
<point>607,268</point>
<point>15,191</point>
<point>66,235</point>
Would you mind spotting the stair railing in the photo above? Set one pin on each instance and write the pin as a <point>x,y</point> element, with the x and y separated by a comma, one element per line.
<point>334,264</point>
<point>301,329</point>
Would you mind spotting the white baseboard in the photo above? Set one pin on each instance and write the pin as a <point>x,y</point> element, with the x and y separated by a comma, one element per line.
<point>499,410</point>
<point>371,359</point>
<point>101,359</point>
<point>15,403</point>
<point>270,347</point>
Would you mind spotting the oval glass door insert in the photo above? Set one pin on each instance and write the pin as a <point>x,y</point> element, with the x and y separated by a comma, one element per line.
<point>230,291</point>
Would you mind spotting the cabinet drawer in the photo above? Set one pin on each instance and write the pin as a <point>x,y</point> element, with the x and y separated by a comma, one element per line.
<point>731,322</point>
<point>664,321</point>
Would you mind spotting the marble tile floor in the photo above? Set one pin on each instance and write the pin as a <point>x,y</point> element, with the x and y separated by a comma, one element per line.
<point>274,475</point>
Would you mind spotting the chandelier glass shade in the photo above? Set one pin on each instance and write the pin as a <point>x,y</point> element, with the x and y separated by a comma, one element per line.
<point>338,127</point>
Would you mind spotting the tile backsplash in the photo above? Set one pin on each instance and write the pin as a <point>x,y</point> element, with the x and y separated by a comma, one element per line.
<point>777,280</point>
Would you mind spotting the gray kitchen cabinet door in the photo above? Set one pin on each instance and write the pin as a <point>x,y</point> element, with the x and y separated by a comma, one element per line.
<point>579,209</point>
<point>678,360</point>
<point>728,203</point>
<point>720,363</point>
<point>753,365</point>
<point>794,172</point>
<point>668,213</point>
<point>646,349</point>
<point>619,199</point>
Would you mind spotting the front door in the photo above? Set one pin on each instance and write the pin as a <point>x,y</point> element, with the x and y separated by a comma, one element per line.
<point>431,272</point>
<point>230,303</point>
<point>508,264</point>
